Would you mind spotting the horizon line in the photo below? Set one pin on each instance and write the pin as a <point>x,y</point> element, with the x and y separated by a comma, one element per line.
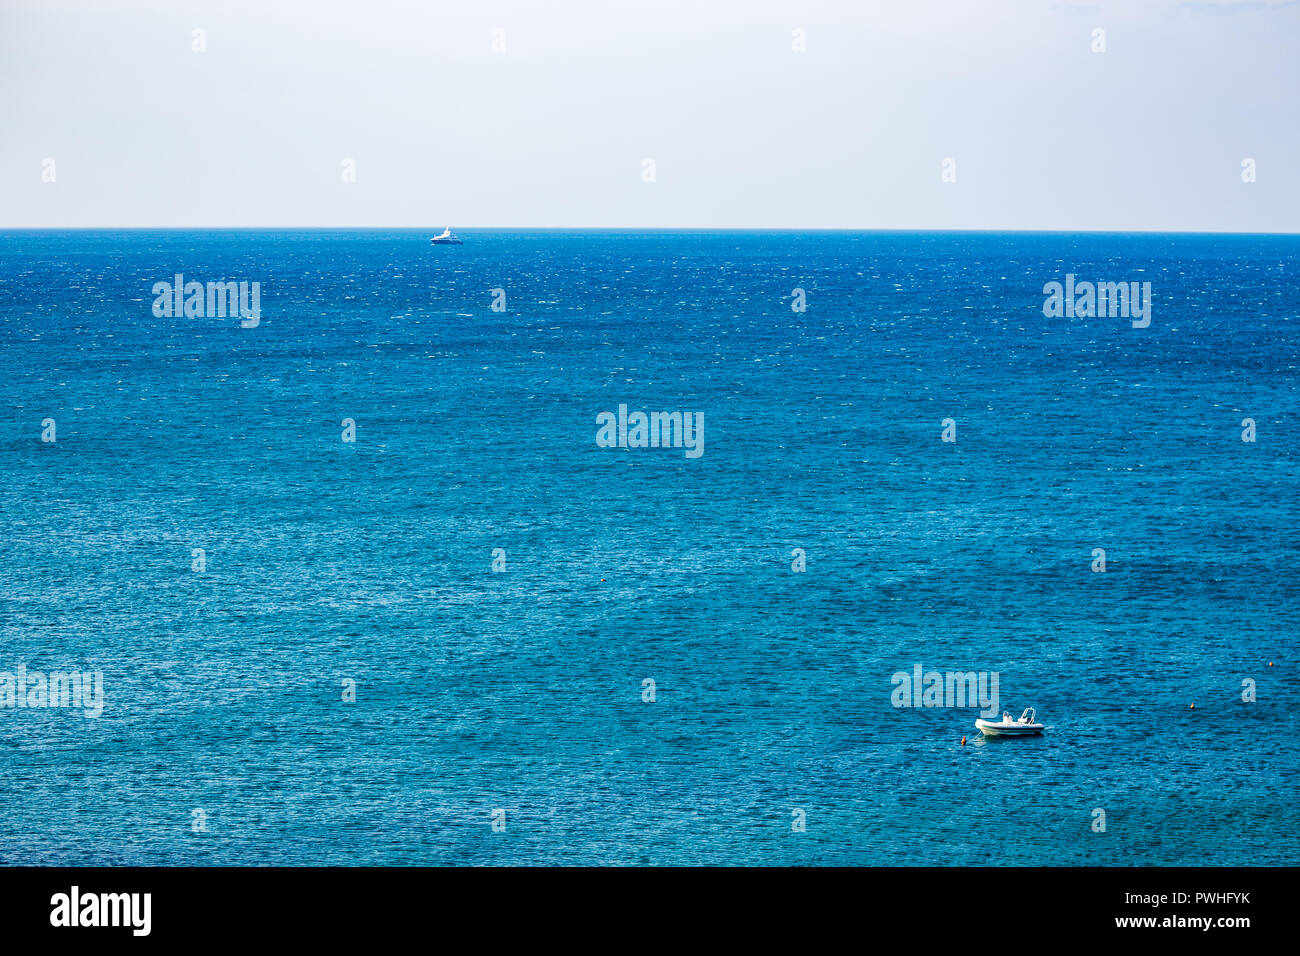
<point>652,229</point>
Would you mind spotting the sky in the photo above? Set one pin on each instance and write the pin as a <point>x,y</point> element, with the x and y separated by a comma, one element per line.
<point>110,117</point>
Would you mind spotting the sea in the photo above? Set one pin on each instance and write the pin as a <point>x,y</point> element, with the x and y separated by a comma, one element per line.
<point>362,581</point>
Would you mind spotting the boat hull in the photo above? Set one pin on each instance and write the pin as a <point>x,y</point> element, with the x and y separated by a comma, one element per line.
<point>991,729</point>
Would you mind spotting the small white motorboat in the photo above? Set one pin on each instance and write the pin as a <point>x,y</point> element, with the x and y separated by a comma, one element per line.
<point>1026,726</point>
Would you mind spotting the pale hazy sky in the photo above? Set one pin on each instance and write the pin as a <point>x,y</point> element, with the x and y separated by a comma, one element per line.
<point>744,132</point>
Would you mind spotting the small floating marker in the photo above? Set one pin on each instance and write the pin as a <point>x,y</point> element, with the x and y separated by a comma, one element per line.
<point>1193,706</point>
<point>1270,663</point>
<point>963,741</point>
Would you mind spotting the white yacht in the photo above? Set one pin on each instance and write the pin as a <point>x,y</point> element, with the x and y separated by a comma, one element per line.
<point>1026,726</point>
<point>447,238</point>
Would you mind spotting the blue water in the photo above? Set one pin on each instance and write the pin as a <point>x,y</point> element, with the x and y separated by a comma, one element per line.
<point>522,690</point>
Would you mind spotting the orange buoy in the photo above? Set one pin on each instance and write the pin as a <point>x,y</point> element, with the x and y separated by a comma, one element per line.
<point>1193,706</point>
<point>963,741</point>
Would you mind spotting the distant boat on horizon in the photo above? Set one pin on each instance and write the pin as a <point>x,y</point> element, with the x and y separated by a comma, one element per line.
<point>447,238</point>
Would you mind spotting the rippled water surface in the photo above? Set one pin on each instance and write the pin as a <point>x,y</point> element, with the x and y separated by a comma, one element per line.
<point>522,690</point>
